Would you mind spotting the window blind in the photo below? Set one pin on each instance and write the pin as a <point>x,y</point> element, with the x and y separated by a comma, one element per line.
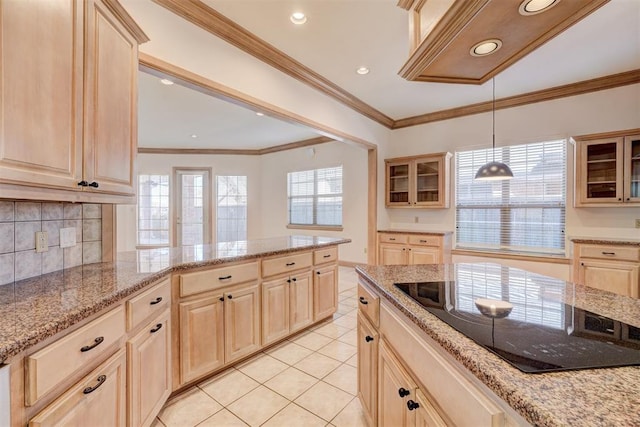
<point>231,208</point>
<point>315,197</point>
<point>524,214</point>
<point>153,209</point>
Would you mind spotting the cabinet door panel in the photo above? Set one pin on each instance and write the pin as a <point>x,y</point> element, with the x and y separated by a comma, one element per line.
<point>418,255</point>
<point>426,413</point>
<point>300,301</point>
<point>325,292</point>
<point>275,310</point>
<point>242,322</point>
<point>110,101</point>
<point>368,369</point>
<point>41,98</point>
<point>392,408</point>
<point>149,368</point>
<point>201,337</point>
<point>392,255</point>
<point>618,277</point>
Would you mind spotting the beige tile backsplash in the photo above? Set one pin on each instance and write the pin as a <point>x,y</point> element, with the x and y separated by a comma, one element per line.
<point>19,222</point>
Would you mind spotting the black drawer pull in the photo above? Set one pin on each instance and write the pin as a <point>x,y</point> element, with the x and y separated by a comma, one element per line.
<point>368,338</point>
<point>156,301</point>
<point>608,253</point>
<point>403,392</point>
<point>363,301</point>
<point>156,329</point>
<point>96,343</point>
<point>289,264</point>
<point>224,277</point>
<point>101,379</point>
<point>392,238</point>
<point>327,256</point>
<point>423,241</point>
<point>83,183</point>
<point>412,405</point>
<point>94,184</point>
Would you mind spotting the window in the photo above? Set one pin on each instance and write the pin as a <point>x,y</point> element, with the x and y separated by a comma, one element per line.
<point>153,210</point>
<point>193,204</point>
<point>231,208</point>
<point>524,214</point>
<point>315,197</point>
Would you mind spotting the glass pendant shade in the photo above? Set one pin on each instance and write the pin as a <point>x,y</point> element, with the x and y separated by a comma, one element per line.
<point>494,171</point>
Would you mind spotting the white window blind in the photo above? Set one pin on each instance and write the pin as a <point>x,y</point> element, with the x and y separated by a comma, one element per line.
<point>524,214</point>
<point>231,208</point>
<point>153,210</point>
<point>315,197</point>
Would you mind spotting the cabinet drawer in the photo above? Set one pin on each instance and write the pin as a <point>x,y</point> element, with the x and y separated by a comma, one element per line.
<point>202,281</point>
<point>610,252</point>
<point>322,256</point>
<point>284,264</point>
<point>53,364</point>
<point>148,303</point>
<point>425,240</point>
<point>369,304</point>
<point>393,238</point>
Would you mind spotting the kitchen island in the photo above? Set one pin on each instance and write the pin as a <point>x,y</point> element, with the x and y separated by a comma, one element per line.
<point>501,392</point>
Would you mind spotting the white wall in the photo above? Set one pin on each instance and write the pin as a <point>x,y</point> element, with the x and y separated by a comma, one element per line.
<point>354,211</point>
<point>596,112</point>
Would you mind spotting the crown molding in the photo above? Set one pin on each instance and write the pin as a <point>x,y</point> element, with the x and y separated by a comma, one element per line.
<point>125,19</point>
<point>219,25</point>
<point>573,89</point>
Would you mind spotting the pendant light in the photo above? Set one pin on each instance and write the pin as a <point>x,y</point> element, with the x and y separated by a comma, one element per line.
<point>494,171</point>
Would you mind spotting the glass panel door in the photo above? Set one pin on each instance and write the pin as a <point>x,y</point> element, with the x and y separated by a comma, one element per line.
<point>427,175</point>
<point>601,171</point>
<point>193,207</point>
<point>398,185</point>
<point>633,148</point>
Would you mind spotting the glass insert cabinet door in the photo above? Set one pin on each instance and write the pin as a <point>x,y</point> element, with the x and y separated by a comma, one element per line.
<point>398,184</point>
<point>603,170</point>
<point>418,182</point>
<point>632,170</point>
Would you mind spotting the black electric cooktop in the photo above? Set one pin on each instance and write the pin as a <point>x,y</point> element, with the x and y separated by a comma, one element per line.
<point>538,335</point>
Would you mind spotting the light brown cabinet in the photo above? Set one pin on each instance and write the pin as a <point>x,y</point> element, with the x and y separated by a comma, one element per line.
<point>409,249</point>
<point>241,322</point>
<point>97,399</point>
<point>287,306</point>
<point>325,291</point>
<point>396,391</point>
<point>608,267</point>
<point>417,182</point>
<point>368,369</point>
<point>607,169</point>
<point>69,105</point>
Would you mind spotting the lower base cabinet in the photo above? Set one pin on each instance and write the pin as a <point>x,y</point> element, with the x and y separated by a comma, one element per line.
<point>99,399</point>
<point>368,369</point>
<point>149,371</point>
<point>325,292</point>
<point>396,391</point>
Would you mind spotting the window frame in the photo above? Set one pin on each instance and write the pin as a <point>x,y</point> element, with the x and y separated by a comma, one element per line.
<point>315,196</point>
<point>139,229</point>
<point>218,206</point>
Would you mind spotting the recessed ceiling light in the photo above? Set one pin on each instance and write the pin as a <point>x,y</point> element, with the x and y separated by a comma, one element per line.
<point>485,47</point>
<point>298,18</point>
<point>362,70</point>
<point>166,82</point>
<point>533,7</point>
<point>258,113</point>
<point>194,136</point>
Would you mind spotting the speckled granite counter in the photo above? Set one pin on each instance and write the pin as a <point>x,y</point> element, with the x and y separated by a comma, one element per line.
<point>605,241</point>
<point>37,308</point>
<point>591,397</point>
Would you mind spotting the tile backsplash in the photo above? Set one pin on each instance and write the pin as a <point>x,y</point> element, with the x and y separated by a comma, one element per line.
<point>19,221</point>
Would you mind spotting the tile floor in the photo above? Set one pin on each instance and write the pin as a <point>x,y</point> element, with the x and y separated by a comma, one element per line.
<point>309,380</point>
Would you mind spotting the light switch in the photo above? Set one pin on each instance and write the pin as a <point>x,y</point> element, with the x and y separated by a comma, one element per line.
<point>67,237</point>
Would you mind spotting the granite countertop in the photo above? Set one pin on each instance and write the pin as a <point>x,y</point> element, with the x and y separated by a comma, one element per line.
<point>34,309</point>
<point>428,233</point>
<point>590,397</point>
<point>605,240</point>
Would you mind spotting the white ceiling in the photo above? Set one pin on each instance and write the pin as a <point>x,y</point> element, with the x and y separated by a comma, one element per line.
<point>341,35</point>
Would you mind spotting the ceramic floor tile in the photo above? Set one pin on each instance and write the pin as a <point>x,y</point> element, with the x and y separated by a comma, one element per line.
<point>291,383</point>
<point>350,337</point>
<point>351,416</point>
<point>295,416</point>
<point>345,377</point>
<point>258,406</point>
<point>346,309</point>
<point>352,361</point>
<point>189,409</point>
<point>350,302</point>
<point>317,365</point>
<point>262,368</point>
<point>289,353</point>
<point>331,330</point>
<point>348,294</point>
<point>338,350</point>
<point>312,341</point>
<point>346,321</point>
<point>324,400</point>
<point>228,386</point>
<point>223,418</point>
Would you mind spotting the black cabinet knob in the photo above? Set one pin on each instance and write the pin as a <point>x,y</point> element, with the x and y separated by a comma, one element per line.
<point>288,280</point>
<point>368,338</point>
<point>619,198</point>
<point>317,272</point>
<point>412,405</point>
<point>403,392</point>
<point>229,296</point>
<point>83,183</point>
<point>221,298</point>
<point>93,184</point>
<point>294,279</point>
<point>363,301</point>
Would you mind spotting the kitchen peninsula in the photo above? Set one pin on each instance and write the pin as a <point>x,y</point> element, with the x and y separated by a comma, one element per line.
<point>155,321</point>
<point>446,377</point>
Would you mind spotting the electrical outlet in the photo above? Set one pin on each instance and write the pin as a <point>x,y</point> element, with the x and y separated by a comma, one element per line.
<point>42,241</point>
<point>67,237</point>
<point>637,222</point>
<point>416,219</point>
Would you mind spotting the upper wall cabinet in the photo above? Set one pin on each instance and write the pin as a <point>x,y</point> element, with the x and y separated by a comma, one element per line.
<point>69,98</point>
<point>607,169</point>
<point>418,182</point>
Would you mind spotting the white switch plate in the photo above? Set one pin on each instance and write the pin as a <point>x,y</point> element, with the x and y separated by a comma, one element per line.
<point>637,222</point>
<point>67,237</point>
<point>42,241</point>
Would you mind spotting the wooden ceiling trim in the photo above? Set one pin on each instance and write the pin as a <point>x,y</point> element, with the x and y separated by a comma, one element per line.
<point>573,89</point>
<point>116,8</point>
<point>245,152</point>
<point>215,23</point>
